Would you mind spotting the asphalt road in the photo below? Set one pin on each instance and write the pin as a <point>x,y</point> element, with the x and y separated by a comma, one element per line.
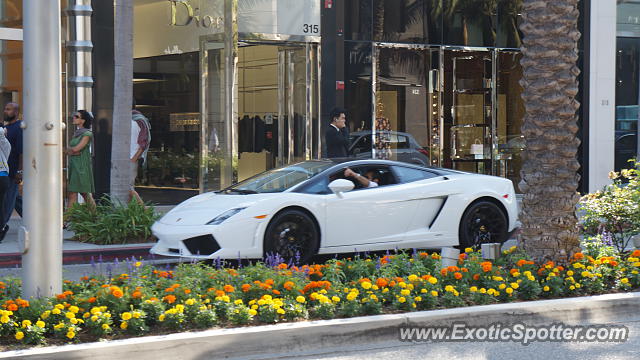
<point>481,350</point>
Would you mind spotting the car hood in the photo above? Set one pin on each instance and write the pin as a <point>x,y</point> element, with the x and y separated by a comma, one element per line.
<point>203,208</point>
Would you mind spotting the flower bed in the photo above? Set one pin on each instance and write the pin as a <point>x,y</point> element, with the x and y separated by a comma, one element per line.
<point>194,296</point>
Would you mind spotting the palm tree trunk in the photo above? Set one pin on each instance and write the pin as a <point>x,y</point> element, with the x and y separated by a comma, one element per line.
<point>122,99</point>
<point>549,172</point>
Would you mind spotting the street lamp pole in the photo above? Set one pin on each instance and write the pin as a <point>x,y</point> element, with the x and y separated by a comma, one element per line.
<point>41,235</point>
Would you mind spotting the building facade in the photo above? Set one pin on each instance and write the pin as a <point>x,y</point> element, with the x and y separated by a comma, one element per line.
<point>236,87</point>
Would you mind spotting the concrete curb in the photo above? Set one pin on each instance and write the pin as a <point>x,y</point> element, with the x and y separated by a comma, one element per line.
<point>289,338</point>
<point>84,256</point>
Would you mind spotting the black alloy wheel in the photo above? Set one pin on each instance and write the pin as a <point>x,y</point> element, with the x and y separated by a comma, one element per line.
<point>483,222</point>
<point>293,235</point>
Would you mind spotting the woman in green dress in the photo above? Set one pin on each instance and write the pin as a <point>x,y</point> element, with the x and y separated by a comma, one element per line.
<point>80,168</point>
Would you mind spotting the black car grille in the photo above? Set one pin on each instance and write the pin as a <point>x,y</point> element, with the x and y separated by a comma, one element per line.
<point>202,245</point>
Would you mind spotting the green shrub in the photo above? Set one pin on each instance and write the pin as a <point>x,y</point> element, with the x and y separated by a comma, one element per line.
<point>615,210</point>
<point>111,223</point>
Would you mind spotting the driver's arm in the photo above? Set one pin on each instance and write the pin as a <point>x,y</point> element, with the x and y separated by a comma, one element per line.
<point>361,179</point>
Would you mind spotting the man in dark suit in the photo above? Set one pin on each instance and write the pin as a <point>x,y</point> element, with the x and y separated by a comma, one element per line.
<point>337,135</point>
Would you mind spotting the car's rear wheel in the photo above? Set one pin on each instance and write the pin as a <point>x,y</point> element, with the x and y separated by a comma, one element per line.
<point>483,222</point>
<point>293,235</point>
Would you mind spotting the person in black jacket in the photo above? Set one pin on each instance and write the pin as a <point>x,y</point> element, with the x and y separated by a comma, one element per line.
<point>337,135</point>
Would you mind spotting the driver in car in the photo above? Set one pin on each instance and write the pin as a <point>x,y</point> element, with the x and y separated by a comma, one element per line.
<point>367,181</point>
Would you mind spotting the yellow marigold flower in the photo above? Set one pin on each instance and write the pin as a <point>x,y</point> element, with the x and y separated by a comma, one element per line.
<point>423,291</point>
<point>491,291</point>
<point>374,287</point>
<point>385,290</point>
<point>514,285</point>
<point>418,298</point>
<point>59,306</point>
<point>26,323</point>
<point>191,302</point>
<point>126,316</point>
<point>136,314</point>
<point>546,288</point>
<point>124,325</point>
<point>405,292</point>
<point>483,291</point>
<point>19,335</point>
<point>636,264</point>
<point>253,312</point>
<point>366,285</point>
<point>434,293</point>
<point>4,319</point>
<point>335,299</point>
<point>527,273</point>
<point>577,285</point>
<point>468,250</point>
<point>74,309</point>
<point>433,280</point>
<point>280,311</point>
<point>86,315</point>
<point>531,278</point>
<point>412,277</point>
<point>226,298</point>
<point>516,274</point>
<point>71,334</point>
<point>161,317</point>
<point>448,288</point>
<point>74,321</point>
<point>572,287</point>
<point>402,284</point>
<point>237,302</point>
<point>106,327</point>
<point>352,296</point>
<point>94,318</point>
<point>261,302</point>
<point>473,289</point>
<point>401,299</point>
<point>137,264</point>
<point>70,315</point>
<point>569,273</point>
<point>455,292</point>
<point>634,272</point>
<point>497,293</point>
<point>509,291</point>
<point>55,311</point>
<point>502,286</point>
<point>624,280</point>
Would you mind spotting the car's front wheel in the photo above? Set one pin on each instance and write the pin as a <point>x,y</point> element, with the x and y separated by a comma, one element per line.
<point>293,235</point>
<point>483,222</point>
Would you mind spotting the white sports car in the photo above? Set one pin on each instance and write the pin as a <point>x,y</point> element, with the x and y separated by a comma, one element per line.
<point>313,207</point>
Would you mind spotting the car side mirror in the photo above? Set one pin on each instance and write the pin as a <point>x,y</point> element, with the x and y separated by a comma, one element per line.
<point>340,186</point>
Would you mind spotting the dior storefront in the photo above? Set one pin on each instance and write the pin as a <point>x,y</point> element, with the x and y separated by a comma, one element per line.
<point>231,89</point>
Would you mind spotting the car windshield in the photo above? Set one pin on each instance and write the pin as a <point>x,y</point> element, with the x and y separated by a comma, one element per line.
<point>279,180</point>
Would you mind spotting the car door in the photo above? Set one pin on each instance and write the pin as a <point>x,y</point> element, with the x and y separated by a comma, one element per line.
<point>366,216</point>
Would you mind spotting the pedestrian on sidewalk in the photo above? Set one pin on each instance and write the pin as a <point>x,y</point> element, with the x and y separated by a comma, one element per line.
<point>337,135</point>
<point>140,141</point>
<point>80,167</point>
<point>5,151</point>
<point>12,198</point>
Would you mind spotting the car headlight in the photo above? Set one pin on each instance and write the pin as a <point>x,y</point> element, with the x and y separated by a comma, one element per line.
<point>224,216</point>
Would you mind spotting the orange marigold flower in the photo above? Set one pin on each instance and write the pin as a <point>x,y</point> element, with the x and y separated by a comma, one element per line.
<point>382,282</point>
<point>228,288</point>
<point>246,287</point>
<point>464,269</point>
<point>462,257</point>
<point>169,289</point>
<point>613,263</point>
<point>288,285</point>
<point>269,282</point>
<point>12,307</point>
<point>476,276</point>
<point>521,262</point>
<point>117,293</point>
<point>92,299</point>
<point>170,299</point>
<point>443,272</point>
<point>457,275</point>
<point>275,292</point>
<point>486,266</point>
<point>219,293</point>
<point>136,294</point>
<point>187,291</point>
<point>513,271</point>
<point>635,253</point>
<point>578,256</point>
<point>282,266</point>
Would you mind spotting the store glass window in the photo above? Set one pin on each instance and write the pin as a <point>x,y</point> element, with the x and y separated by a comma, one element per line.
<point>509,18</point>
<point>627,83</point>
<point>167,92</point>
<point>408,21</point>
<point>11,13</point>
<point>11,71</point>
<point>470,23</point>
<point>358,95</point>
<point>358,19</point>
